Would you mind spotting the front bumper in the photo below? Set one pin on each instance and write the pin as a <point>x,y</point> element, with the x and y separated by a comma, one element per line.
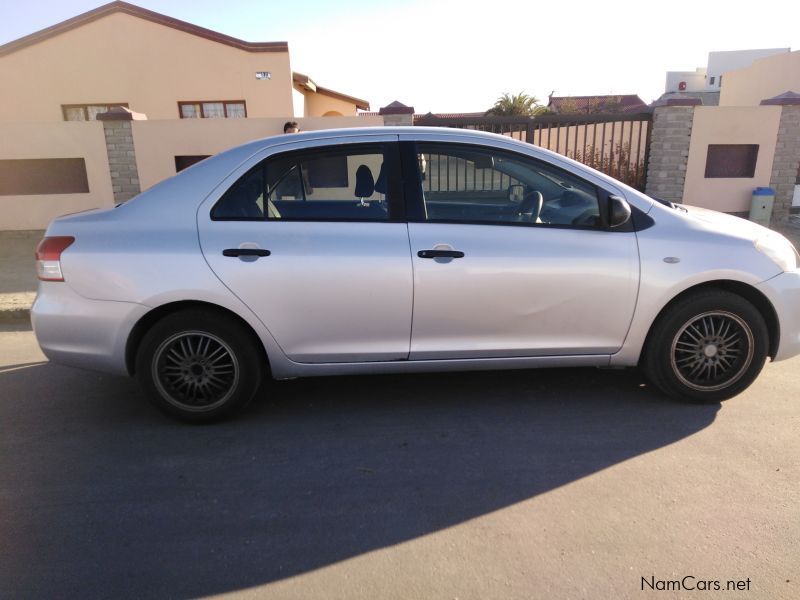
<point>784,292</point>
<point>79,332</point>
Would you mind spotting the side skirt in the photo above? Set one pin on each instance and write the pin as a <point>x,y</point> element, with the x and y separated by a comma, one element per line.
<point>286,369</point>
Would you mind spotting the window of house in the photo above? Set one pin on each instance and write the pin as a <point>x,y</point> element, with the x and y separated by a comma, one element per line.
<point>731,160</point>
<point>216,109</point>
<point>184,162</point>
<point>712,80</point>
<point>20,177</point>
<point>87,112</point>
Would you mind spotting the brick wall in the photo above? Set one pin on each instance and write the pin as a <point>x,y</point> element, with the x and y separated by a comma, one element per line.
<point>121,159</point>
<point>669,152</point>
<point>786,163</point>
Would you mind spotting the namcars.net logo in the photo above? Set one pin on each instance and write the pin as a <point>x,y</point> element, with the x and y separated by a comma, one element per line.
<point>690,583</point>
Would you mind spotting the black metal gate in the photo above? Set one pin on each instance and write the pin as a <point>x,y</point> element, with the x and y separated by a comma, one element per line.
<point>616,144</point>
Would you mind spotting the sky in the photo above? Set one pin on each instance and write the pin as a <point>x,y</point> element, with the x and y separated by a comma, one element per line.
<point>451,56</point>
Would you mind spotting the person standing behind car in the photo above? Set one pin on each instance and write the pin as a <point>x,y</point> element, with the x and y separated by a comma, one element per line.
<point>290,188</point>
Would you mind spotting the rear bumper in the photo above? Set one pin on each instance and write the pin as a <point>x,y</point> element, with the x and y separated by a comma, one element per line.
<point>79,332</point>
<point>784,292</point>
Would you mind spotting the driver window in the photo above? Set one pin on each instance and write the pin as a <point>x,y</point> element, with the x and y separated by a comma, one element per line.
<point>462,183</point>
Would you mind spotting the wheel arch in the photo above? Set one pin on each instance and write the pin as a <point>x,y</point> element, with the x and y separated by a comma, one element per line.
<point>744,290</point>
<point>147,321</point>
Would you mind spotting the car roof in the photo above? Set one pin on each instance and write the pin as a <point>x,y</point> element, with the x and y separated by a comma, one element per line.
<point>416,131</point>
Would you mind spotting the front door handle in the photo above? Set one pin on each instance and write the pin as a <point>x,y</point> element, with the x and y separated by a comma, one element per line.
<point>440,254</point>
<point>245,252</point>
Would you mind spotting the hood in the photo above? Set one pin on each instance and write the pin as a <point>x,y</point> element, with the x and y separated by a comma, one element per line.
<point>724,223</point>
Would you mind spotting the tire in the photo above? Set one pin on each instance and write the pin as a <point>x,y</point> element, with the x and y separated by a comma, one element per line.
<point>199,365</point>
<point>707,347</point>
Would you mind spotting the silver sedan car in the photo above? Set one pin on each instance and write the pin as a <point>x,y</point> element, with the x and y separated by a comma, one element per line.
<point>400,250</point>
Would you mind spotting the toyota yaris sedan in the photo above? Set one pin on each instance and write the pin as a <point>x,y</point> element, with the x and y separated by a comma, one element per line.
<point>401,250</point>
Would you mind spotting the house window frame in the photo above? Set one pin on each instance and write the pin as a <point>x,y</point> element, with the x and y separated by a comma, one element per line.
<point>716,160</point>
<point>192,159</point>
<point>200,103</point>
<point>43,176</point>
<point>85,108</point>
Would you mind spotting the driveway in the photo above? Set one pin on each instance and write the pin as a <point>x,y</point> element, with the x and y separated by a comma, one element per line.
<point>531,484</point>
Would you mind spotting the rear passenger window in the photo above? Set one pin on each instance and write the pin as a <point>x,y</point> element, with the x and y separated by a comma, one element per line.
<point>244,200</point>
<point>347,184</point>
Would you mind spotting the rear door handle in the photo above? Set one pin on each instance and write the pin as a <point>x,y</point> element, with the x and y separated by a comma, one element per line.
<point>440,254</point>
<point>245,252</point>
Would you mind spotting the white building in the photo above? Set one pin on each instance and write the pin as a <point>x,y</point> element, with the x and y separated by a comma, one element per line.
<point>686,81</point>
<point>709,78</point>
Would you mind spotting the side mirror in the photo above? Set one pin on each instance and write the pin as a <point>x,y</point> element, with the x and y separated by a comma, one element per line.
<point>619,212</point>
<point>516,193</point>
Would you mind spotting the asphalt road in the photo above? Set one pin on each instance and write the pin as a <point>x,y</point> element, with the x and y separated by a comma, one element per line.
<point>533,484</point>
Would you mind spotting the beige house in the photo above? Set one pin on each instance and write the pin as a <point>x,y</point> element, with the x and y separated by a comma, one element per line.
<point>189,92</point>
<point>765,78</point>
<point>121,54</point>
<point>319,101</point>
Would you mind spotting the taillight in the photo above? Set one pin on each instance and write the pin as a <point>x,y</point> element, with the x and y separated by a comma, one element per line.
<point>48,257</point>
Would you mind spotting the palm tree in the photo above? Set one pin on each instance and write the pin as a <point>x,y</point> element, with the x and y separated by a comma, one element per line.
<point>513,105</point>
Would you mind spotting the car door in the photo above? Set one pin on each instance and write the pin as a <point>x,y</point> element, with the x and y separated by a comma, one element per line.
<point>312,240</point>
<point>512,258</point>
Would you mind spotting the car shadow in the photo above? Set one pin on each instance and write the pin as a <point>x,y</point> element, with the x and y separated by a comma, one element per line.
<point>102,496</point>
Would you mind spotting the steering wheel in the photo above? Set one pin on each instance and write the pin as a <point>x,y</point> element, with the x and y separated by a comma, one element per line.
<point>531,206</point>
<point>587,217</point>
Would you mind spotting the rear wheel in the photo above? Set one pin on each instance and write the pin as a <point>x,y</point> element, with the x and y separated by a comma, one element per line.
<point>199,365</point>
<point>708,347</point>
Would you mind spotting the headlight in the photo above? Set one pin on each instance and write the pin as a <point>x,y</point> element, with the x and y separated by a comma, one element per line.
<point>779,250</point>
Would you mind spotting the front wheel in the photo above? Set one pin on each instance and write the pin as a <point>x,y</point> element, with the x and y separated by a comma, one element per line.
<point>199,366</point>
<point>708,347</point>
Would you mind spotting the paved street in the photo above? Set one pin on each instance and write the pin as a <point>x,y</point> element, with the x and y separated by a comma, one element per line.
<point>537,484</point>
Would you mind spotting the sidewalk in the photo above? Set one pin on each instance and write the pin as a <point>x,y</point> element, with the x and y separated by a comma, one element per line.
<point>792,230</point>
<point>17,274</point>
<point>18,271</point>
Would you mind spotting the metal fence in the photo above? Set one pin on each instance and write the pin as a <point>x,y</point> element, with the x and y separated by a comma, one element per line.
<point>443,172</point>
<point>616,144</point>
